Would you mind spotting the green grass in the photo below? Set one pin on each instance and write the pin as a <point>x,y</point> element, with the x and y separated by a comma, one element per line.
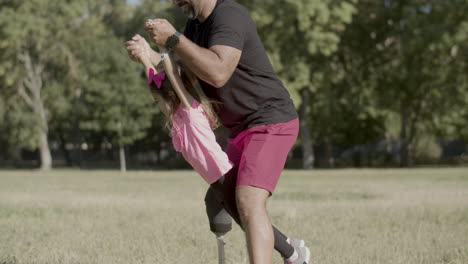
<point>346,216</point>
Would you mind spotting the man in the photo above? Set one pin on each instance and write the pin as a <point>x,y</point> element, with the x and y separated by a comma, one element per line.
<point>221,46</point>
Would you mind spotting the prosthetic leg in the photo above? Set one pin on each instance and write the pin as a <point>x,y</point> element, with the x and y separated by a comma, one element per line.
<point>221,243</point>
<point>220,222</point>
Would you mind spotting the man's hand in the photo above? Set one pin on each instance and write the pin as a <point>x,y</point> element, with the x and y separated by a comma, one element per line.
<point>159,30</point>
<point>139,50</point>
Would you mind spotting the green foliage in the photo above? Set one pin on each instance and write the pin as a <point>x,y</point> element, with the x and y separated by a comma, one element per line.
<point>34,43</point>
<point>114,98</point>
<point>87,74</point>
<point>427,149</point>
<point>299,36</point>
<point>411,53</point>
<point>18,129</point>
<point>370,68</point>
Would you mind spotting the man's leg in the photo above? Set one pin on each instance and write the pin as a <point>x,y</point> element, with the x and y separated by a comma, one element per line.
<point>292,250</point>
<point>264,150</point>
<point>224,191</point>
<point>251,203</point>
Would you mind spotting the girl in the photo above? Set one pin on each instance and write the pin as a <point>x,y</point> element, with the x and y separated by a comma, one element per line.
<point>190,119</point>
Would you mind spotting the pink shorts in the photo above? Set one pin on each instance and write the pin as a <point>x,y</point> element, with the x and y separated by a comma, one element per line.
<point>260,153</point>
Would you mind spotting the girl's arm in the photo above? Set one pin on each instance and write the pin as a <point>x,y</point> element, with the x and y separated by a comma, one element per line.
<point>140,50</point>
<point>172,72</point>
<point>148,65</point>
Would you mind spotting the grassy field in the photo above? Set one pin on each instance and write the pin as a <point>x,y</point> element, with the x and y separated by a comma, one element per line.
<point>346,216</point>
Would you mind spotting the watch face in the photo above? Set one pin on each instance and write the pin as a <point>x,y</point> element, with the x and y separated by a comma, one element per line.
<point>172,41</point>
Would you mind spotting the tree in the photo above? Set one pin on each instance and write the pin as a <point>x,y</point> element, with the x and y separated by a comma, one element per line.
<point>115,103</point>
<point>411,49</point>
<point>300,36</point>
<point>36,65</point>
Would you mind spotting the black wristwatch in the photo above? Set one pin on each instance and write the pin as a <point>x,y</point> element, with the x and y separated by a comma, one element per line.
<point>172,41</point>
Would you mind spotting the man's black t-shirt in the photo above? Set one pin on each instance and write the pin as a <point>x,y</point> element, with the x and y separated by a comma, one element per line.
<point>253,95</point>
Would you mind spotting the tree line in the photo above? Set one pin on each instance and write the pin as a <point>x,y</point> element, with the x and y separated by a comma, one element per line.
<point>377,82</point>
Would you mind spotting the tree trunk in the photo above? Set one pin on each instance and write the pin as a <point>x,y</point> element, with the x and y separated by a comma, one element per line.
<point>404,157</point>
<point>44,149</point>
<point>369,152</point>
<point>17,157</point>
<point>46,157</point>
<point>30,90</point>
<point>306,142</point>
<point>357,156</point>
<point>63,147</point>
<point>388,149</point>
<point>329,160</point>
<point>123,164</point>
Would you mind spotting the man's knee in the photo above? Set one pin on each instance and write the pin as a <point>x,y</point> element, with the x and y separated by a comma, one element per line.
<point>250,200</point>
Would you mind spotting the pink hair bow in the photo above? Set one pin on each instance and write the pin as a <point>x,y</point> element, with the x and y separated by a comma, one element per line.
<point>157,79</point>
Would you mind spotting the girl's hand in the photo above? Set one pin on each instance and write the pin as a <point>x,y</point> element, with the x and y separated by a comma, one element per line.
<point>139,50</point>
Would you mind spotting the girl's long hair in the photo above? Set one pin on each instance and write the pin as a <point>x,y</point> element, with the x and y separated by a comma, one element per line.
<point>169,101</point>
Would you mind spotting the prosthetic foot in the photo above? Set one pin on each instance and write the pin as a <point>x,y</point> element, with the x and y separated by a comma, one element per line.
<point>221,243</point>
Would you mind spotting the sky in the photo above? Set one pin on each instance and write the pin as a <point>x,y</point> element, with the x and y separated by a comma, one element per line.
<point>134,2</point>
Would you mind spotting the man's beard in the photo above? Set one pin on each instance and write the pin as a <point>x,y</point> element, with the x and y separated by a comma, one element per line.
<point>191,13</point>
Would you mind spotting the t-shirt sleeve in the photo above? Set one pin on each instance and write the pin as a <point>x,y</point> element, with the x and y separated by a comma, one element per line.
<point>229,29</point>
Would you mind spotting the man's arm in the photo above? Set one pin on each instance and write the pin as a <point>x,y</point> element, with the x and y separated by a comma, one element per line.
<point>214,65</point>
